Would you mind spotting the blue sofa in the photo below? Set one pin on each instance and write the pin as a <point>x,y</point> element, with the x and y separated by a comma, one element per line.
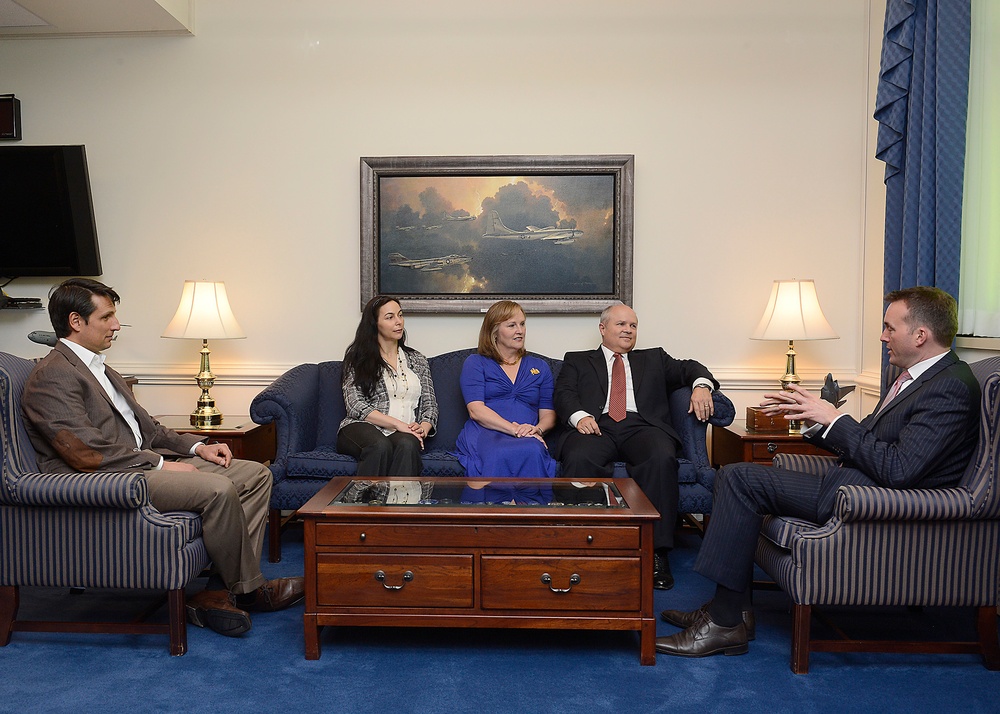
<point>306,405</point>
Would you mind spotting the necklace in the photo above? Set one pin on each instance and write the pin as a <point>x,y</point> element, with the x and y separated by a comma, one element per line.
<point>401,373</point>
<point>505,363</point>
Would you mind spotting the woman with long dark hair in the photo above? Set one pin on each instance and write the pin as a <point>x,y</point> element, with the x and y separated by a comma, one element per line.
<point>389,395</point>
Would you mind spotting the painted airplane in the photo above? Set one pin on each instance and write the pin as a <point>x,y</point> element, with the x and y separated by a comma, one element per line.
<point>561,236</point>
<point>427,265</point>
<point>459,218</point>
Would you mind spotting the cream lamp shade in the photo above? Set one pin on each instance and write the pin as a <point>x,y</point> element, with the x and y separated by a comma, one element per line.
<point>793,313</point>
<point>203,314</point>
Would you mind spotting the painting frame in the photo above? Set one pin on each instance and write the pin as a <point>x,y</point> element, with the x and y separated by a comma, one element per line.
<point>619,166</point>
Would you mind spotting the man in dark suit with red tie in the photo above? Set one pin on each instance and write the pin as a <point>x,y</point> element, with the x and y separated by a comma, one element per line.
<point>615,399</point>
<point>921,435</point>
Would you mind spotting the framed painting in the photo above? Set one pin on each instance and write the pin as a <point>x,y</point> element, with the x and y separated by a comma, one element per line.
<point>457,233</point>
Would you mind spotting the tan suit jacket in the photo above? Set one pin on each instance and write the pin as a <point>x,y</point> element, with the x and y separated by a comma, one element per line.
<point>74,426</point>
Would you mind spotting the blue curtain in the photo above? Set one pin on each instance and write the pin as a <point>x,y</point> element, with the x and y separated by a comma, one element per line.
<point>921,108</point>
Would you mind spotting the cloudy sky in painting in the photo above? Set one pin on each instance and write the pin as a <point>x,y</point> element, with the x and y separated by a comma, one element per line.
<point>414,213</point>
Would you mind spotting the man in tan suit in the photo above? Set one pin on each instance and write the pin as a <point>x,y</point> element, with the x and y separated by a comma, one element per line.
<point>81,416</point>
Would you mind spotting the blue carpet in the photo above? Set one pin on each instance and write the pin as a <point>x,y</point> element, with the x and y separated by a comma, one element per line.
<point>425,670</point>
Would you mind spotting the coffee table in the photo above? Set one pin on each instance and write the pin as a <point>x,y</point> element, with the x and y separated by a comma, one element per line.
<point>456,552</point>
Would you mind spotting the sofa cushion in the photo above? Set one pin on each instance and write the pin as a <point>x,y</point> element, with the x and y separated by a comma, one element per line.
<point>438,462</point>
<point>782,530</point>
<point>323,461</point>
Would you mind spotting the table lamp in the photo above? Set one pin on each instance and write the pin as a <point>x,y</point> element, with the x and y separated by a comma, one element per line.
<point>793,313</point>
<point>204,314</point>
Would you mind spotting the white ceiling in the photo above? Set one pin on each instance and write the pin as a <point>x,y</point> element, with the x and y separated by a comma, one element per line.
<point>73,18</point>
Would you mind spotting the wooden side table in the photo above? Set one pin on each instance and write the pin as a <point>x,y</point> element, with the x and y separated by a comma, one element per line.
<point>734,444</point>
<point>247,440</point>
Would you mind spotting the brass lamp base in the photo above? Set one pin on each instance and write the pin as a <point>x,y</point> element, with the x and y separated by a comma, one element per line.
<point>206,414</point>
<point>205,418</point>
<point>789,378</point>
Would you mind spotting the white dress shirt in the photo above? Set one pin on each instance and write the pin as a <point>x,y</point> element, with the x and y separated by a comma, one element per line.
<point>95,363</point>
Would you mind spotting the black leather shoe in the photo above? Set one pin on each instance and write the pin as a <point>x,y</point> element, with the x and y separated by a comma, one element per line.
<point>212,609</point>
<point>680,618</point>
<point>705,638</point>
<point>662,578</point>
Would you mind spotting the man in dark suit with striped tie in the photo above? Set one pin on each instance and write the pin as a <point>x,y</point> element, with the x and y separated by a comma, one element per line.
<point>921,435</point>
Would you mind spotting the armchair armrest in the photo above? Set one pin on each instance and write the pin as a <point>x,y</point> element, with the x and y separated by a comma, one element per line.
<point>804,463</point>
<point>91,490</point>
<point>292,403</point>
<point>691,431</point>
<point>873,503</point>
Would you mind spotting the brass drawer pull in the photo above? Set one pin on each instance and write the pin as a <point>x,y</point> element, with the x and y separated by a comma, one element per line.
<point>574,579</point>
<point>407,577</point>
<point>771,447</point>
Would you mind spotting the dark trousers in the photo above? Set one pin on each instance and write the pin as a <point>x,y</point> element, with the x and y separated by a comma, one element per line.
<point>650,457</point>
<point>742,496</point>
<point>379,455</point>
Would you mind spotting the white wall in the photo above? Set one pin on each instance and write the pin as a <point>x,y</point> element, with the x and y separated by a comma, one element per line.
<point>233,155</point>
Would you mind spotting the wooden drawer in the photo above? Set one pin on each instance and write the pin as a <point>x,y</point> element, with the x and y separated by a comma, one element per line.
<point>350,579</point>
<point>484,536</point>
<point>763,452</point>
<point>515,583</point>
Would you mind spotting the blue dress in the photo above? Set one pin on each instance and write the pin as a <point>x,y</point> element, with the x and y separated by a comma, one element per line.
<point>484,452</point>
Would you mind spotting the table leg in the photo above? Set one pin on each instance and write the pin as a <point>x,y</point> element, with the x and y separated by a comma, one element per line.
<point>312,630</point>
<point>647,642</point>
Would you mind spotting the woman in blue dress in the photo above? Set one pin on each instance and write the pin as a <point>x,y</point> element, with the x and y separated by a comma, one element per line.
<point>509,397</point>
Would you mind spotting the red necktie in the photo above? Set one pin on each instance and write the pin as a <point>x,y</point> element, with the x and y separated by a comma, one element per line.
<point>894,390</point>
<point>616,404</point>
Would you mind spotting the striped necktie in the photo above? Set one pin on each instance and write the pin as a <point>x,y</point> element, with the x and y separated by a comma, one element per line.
<point>894,390</point>
<point>616,403</point>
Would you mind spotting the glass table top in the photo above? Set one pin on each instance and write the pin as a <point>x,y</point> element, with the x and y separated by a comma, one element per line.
<point>451,492</point>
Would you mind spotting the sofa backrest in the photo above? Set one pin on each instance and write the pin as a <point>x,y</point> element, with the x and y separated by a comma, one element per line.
<point>331,400</point>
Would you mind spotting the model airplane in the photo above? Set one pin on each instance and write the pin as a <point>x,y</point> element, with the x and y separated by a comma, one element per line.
<point>561,236</point>
<point>834,393</point>
<point>427,265</point>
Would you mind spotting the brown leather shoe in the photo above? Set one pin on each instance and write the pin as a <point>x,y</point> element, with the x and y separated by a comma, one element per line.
<point>213,609</point>
<point>680,618</point>
<point>277,594</point>
<point>705,638</point>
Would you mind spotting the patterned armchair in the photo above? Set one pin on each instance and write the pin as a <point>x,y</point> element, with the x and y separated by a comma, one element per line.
<point>93,530</point>
<point>929,547</point>
<point>306,405</point>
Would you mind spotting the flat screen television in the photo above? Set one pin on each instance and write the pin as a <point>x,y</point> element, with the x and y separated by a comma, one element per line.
<point>47,224</point>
